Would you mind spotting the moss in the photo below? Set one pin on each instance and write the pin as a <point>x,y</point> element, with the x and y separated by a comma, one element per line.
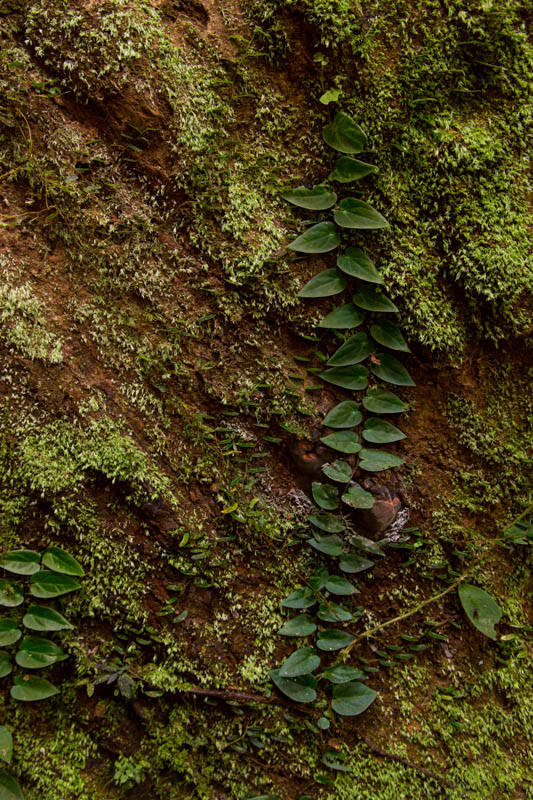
<point>22,325</point>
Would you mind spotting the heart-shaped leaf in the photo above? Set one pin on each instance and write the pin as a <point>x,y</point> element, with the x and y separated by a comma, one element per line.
<point>350,699</point>
<point>6,745</point>
<point>355,349</point>
<point>40,618</point>
<point>331,612</point>
<point>371,298</point>
<point>58,560</point>
<point>11,594</point>
<point>325,496</point>
<point>35,652</point>
<point>301,662</point>
<point>388,368</point>
<point>9,787</point>
<point>302,625</point>
<point>343,673</point>
<point>355,262</point>
<point>325,284</point>
<point>320,238</point>
<point>9,632</point>
<point>316,199</point>
<point>329,545</point>
<point>350,169</point>
<point>381,401</point>
<point>5,665</point>
<point>344,317</point>
<point>356,214</point>
<point>338,585</point>
<point>333,640</point>
<point>50,584</point>
<point>301,690</point>
<point>482,611</point>
<point>343,441</point>
<point>353,563</point>
<point>367,545</point>
<point>319,579</point>
<point>300,598</point>
<point>339,471</point>
<point>354,378</point>
<point>389,335</point>
<point>344,415</point>
<point>344,134</point>
<point>29,688</point>
<point>357,497</point>
<point>380,432</point>
<point>327,522</point>
<point>377,460</point>
<point>22,562</point>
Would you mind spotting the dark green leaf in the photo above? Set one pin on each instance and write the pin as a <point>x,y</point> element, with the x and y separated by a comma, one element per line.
<point>482,611</point>
<point>371,298</point>
<point>22,562</point>
<point>343,441</point>
<point>325,284</point>
<point>35,652</point>
<point>380,432</point>
<point>330,545</point>
<point>9,787</point>
<point>331,759</point>
<point>316,199</point>
<point>319,238</point>
<point>327,522</point>
<point>350,169</point>
<point>319,579</point>
<point>343,673</point>
<point>354,378</point>
<point>355,262</point>
<point>30,688</point>
<point>5,665</point>
<point>339,471</point>
<point>391,370</point>
<point>377,460</point>
<point>357,497</point>
<point>325,496</point>
<point>344,415</point>
<point>344,134</point>
<point>354,350</point>
<point>49,584</point>
<point>352,698</point>
<point>344,317</point>
<point>302,625</point>
<point>333,640</point>
<point>353,563</point>
<point>332,612</point>
<point>11,594</point>
<point>301,690</point>
<point>381,401</point>
<point>6,745</point>
<point>9,632</point>
<point>367,545</point>
<point>389,335</point>
<point>356,214</point>
<point>40,618</point>
<point>338,585</point>
<point>301,662</point>
<point>58,560</point>
<point>300,598</point>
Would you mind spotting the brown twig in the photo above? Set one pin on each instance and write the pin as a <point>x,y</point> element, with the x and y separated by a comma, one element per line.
<point>228,695</point>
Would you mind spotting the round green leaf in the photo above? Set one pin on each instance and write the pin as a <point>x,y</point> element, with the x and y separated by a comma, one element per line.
<point>9,787</point>
<point>354,378</point>
<point>388,368</point>
<point>371,298</point>
<point>35,652</point>
<point>325,284</point>
<point>355,262</point>
<point>482,611</point>
<point>301,690</point>
<point>329,545</point>
<point>380,432</point>
<point>377,460</point>
<point>354,350</point>
<point>30,688</point>
<point>11,594</point>
<point>344,317</point>
<point>319,238</point>
<point>50,584</point>
<point>301,662</point>
<point>338,585</point>
<point>353,563</point>
<point>344,134</point>
<point>40,618</point>
<point>325,496</point>
<point>351,169</point>
<point>333,640</point>
<point>357,497</point>
<point>350,699</point>
<point>332,612</point>
<point>344,415</point>
<point>389,335</point>
<point>22,562</point>
<point>343,441</point>
<point>327,522</point>
<point>300,598</point>
<point>381,401</point>
<point>323,723</point>
<point>343,673</point>
<point>316,199</point>
<point>302,625</point>
<point>58,560</point>
<point>6,745</point>
<point>9,632</point>
<point>5,665</point>
<point>339,471</point>
<point>356,214</point>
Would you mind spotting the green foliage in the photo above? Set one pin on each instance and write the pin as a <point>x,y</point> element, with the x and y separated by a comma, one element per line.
<point>482,611</point>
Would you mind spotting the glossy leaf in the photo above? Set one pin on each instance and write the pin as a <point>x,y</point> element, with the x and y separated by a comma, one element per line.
<point>354,378</point>
<point>50,584</point>
<point>300,598</point>
<point>343,441</point>
<point>389,335</point>
<point>350,699</point>
<point>371,298</point>
<point>301,690</point>
<point>325,496</point>
<point>379,431</point>
<point>351,169</point>
<point>58,560</point>
<point>325,284</point>
<point>11,594</point>
<point>355,349</point>
<point>344,317</point>
<point>22,562</point>
<point>301,662</point>
<point>381,401</point>
<point>320,238</point>
<point>333,640</point>
<point>338,585</point>
<point>357,497</point>
<point>327,522</point>
<point>356,214</point>
<point>329,545</point>
<point>482,611</point>
<point>391,370</point>
<point>5,664</point>
<point>344,134</point>
<point>30,688</point>
<point>9,632</point>
<point>377,460</point>
<point>339,471</point>
<point>40,618</point>
<point>366,545</point>
<point>302,625</point>
<point>35,652</point>
<point>354,563</point>
<point>316,199</point>
<point>356,263</point>
<point>343,673</point>
<point>332,612</point>
<point>6,745</point>
<point>9,787</point>
<point>344,415</point>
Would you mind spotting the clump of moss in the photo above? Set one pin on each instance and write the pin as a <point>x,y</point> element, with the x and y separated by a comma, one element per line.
<point>23,326</point>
